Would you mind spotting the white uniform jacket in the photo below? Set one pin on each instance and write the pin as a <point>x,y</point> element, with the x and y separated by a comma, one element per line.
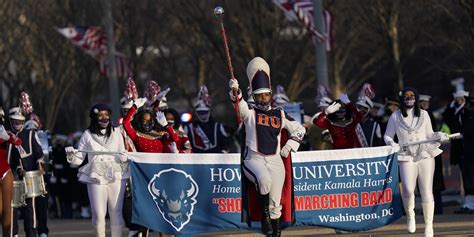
<point>101,168</point>
<point>411,129</point>
<point>263,129</point>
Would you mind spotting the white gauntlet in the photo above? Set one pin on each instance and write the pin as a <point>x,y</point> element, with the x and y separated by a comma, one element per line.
<point>291,145</point>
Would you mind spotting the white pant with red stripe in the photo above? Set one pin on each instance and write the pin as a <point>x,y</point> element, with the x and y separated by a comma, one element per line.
<point>268,175</point>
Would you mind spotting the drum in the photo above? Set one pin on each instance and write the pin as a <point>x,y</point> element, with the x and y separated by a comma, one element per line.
<point>34,184</point>
<point>18,194</point>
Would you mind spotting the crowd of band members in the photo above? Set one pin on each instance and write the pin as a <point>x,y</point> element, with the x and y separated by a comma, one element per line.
<point>365,120</point>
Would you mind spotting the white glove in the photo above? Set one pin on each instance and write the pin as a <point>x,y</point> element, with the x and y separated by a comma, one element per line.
<point>233,84</point>
<point>174,148</point>
<point>443,137</point>
<point>394,145</point>
<point>163,94</point>
<point>345,99</point>
<point>70,153</point>
<point>332,108</point>
<point>161,118</point>
<point>235,97</point>
<point>140,102</point>
<point>291,145</point>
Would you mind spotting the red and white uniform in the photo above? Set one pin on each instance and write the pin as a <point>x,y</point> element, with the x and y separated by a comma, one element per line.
<point>6,138</point>
<point>144,144</point>
<point>344,136</point>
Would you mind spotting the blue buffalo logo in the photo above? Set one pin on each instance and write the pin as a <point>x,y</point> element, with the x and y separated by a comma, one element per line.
<point>174,192</point>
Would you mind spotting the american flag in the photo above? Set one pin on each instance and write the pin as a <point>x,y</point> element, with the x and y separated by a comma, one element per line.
<point>303,11</point>
<point>93,41</point>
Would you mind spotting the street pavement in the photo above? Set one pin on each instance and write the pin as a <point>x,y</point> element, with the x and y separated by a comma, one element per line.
<point>447,224</point>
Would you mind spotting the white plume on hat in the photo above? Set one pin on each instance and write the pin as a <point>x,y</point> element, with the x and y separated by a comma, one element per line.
<point>462,93</point>
<point>323,97</point>
<point>31,125</point>
<point>255,65</point>
<point>366,95</point>
<point>458,83</point>
<point>280,96</point>
<point>15,113</point>
<point>203,101</point>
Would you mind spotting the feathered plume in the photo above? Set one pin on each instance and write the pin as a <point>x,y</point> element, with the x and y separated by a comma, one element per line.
<point>367,90</point>
<point>37,119</point>
<point>323,91</point>
<point>203,95</point>
<point>152,90</point>
<point>280,90</point>
<point>25,104</point>
<point>130,90</point>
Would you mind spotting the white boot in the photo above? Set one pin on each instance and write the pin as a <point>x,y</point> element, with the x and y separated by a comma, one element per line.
<point>428,212</point>
<point>100,231</point>
<point>409,205</point>
<point>116,230</point>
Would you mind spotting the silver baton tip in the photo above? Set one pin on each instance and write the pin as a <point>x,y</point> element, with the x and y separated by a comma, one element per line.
<point>218,11</point>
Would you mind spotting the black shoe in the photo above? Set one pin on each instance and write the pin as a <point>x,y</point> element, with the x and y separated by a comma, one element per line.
<point>464,210</point>
<point>266,221</point>
<point>276,227</point>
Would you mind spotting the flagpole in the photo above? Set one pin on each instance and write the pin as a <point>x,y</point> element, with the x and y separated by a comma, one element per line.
<point>322,76</point>
<point>111,66</point>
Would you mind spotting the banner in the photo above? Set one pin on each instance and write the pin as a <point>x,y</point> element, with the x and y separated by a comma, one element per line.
<point>349,189</point>
<point>352,189</point>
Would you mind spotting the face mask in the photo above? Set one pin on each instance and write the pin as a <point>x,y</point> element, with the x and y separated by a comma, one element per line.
<point>103,123</point>
<point>340,114</point>
<point>203,116</point>
<point>409,102</point>
<point>147,126</point>
<point>263,105</point>
<point>18,127</point>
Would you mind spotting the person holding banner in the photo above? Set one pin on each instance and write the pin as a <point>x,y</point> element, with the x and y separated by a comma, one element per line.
<point>411,124</point>
<point>107,171</point>
<point>341,119</point>
<point>6,181</point>
<point>263,164</point>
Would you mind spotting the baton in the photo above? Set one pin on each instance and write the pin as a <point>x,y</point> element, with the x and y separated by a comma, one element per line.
<point>218,12</point>
<point>451,136</point>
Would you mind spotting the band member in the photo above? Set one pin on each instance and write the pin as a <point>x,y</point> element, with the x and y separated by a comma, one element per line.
<point>369,133</point>
<point>467,163</point>
<point>143,130</point>
<point>341,119</point>
<point>25,158</point>
<point>105,174</point>
<point>41,202</point>
<point>205,134</point>
<point>410,123</point>
<point>182,145</point>
<point>320,139</point>
<point>6,181</point>
<point>263,163</point>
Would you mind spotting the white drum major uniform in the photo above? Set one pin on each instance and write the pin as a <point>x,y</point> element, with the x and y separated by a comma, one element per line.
<point>263,125</point>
